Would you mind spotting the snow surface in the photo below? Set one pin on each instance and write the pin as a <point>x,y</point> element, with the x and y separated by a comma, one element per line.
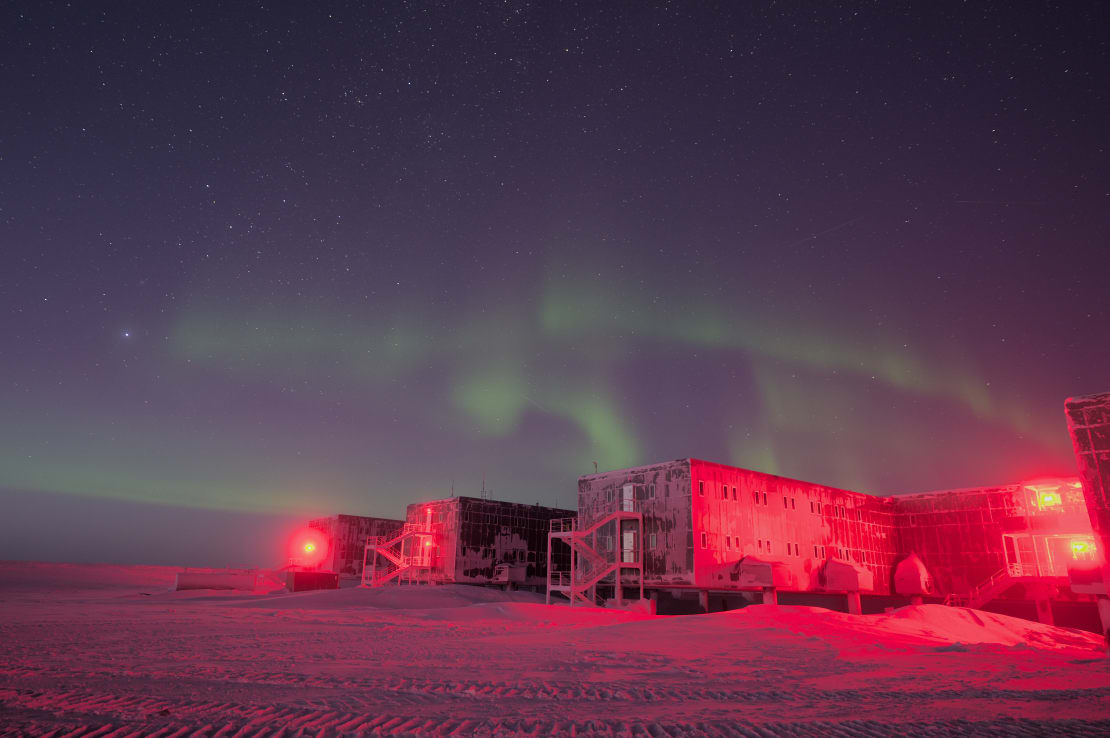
<point>110,650</point>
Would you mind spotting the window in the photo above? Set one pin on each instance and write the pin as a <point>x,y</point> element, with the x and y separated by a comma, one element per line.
<point>764,498</point>
<point>796,551</point>
<point>818,508</point>
<point>651,541</point>
<point>784,505</point>
<point>859,515</point>
<point>755,494</point>
<point>701,489</point>
<point>734,493</point>
<point>811,505</point>
<point>651,491</point>
<point>704,540</point>
<point>815,550</point>
<point>768,547</point>
<point>728,542</point>
<point>759,543</point>
<point>822,552</point>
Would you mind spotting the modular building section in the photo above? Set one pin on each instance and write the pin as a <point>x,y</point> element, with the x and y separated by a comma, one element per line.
<point>1089,425</point>
<point>709,526</point>
<point>1032,530</point>
<point>482,541</point>
<point>347,536</point>
<point>701,518</point>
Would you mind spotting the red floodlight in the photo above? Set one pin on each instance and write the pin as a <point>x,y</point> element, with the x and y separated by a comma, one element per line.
<point>308,547</point>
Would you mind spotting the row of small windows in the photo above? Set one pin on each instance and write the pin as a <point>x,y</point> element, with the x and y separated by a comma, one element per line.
<point>793,549</point>
<point>788,503</point>
<point>762,544</point>
<point>640,492</point>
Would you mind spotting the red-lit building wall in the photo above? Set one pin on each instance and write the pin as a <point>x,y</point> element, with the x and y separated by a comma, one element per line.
<point>747,513</point>
<point>347,536</point>
<point>701,516</point>
<point>471,536</point>
<point>662,493</point>
<point>966,536</point>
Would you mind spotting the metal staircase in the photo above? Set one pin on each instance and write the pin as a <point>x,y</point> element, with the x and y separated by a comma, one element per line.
<point>405,556</point>
<point>994,586</point>
<point>589,566</point>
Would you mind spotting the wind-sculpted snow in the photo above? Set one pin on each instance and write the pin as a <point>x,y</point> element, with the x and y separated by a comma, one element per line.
<point>121,655</point>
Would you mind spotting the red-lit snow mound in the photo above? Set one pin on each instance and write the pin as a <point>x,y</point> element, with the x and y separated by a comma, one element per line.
<point>913,626</point>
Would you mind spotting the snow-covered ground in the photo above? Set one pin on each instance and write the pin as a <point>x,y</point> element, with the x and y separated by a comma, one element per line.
<point>110,651</point>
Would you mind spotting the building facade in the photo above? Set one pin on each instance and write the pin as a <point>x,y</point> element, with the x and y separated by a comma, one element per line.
<point>701,520</point>
<point>465,540</point>
<point>347,536</point>
<point>1089,426</point>
<point>1033,529</point>
<point>483,541</point>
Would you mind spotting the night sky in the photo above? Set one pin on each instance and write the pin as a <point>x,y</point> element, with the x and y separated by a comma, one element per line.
<point>262,261</point>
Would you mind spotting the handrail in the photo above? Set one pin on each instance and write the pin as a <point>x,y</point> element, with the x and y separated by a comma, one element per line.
<point>1023,570</point>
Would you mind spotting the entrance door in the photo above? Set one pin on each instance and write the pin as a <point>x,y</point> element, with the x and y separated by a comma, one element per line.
<point>628,497</point>
<point>628,545</point>
<point>1021,555</point>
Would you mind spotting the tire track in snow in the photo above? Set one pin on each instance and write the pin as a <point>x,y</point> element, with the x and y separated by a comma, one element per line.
<point>410,690</point>
<point>92,715</point>
<point>77,713</point>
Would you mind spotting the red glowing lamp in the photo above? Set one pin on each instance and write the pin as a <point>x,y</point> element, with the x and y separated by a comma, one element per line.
<point>1049,499</point>
<point>308,547</point>
<point>1081,547</point>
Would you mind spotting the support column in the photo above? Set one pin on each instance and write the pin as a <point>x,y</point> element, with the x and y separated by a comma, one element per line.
<point>1104,617</point>
<point>573,568</point>
<point>770,596</point>
<point>854,606</point>
<point>550,543</point>
<point>1044,611</point>
<point>620,560</point>
<point>703,600</point>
